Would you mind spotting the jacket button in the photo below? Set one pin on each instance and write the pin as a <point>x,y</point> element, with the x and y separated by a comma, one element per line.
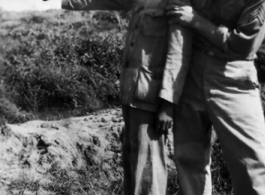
<point>211,53</point>
<point>136,26</point>
<point>131,44</point>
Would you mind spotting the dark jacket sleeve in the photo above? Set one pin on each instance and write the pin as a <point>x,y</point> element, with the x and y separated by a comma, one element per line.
<point>245,39</point>
<point>97,4</point>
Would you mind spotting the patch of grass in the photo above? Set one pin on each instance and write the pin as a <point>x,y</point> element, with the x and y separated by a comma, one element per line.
<point>61,60</point>
<point>86,181</point>
<point>221,179</point>
<point>173,186</point>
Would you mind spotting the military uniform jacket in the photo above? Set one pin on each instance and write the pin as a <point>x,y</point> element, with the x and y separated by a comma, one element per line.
<point>156,55</point>
<point>240,30</point>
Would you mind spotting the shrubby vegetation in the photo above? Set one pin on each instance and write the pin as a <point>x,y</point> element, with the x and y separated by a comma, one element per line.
<point>68,63</point>
<point>64,64</point>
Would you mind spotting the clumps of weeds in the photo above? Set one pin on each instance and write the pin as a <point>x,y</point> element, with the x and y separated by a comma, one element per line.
<point>22,186</point>
<point>85,181</point>
<point>172,186</point>
<point>11,114</point>
<point>221,179</point>
<point>72,64</point>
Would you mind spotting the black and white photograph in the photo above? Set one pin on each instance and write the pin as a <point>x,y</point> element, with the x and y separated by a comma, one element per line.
<point>132,97</point>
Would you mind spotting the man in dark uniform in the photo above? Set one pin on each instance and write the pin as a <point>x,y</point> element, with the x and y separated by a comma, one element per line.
<point>221,91</point>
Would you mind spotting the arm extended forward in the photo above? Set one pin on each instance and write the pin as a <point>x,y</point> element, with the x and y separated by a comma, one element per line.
<point>125,5</point>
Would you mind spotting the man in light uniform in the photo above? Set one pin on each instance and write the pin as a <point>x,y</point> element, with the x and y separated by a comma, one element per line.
<point>155,63</point>
<point>221,90</point>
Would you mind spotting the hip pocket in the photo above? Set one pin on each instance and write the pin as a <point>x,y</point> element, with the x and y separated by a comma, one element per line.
<point>148,85</point>
<point>241,74</point>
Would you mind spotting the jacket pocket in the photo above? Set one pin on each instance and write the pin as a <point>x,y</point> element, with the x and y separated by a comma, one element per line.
<point>154,24</point>
<point>148,85</point>
<point>152,40</point>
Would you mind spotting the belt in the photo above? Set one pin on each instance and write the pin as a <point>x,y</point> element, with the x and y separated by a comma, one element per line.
<point>212,53</point>
<point>217,54</point>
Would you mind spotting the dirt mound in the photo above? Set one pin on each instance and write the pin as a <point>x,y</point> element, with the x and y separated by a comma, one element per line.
<point>37,156</point>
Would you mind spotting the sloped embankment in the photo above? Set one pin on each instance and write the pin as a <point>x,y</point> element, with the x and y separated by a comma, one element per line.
<point>70,156</point>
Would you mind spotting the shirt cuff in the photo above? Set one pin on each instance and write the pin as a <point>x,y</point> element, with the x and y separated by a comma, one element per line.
<point>221,33</point>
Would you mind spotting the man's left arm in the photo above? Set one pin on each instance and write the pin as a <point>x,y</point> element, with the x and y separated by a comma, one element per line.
<point>97,4</point>
<point>241,42</point>
<point>125,5</point>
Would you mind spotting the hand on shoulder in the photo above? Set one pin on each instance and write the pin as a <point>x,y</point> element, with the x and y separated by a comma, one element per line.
<point>181,13</point>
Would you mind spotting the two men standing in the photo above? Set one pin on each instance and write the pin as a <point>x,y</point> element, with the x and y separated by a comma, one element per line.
<point>220,90</point>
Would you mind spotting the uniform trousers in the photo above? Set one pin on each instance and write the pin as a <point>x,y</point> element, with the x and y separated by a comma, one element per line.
<point>223,94</point>
<point>144,157</point>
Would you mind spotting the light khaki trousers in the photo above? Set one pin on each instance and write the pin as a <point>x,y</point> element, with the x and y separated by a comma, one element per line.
<point>144,158</point>
<point>223,95</point>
